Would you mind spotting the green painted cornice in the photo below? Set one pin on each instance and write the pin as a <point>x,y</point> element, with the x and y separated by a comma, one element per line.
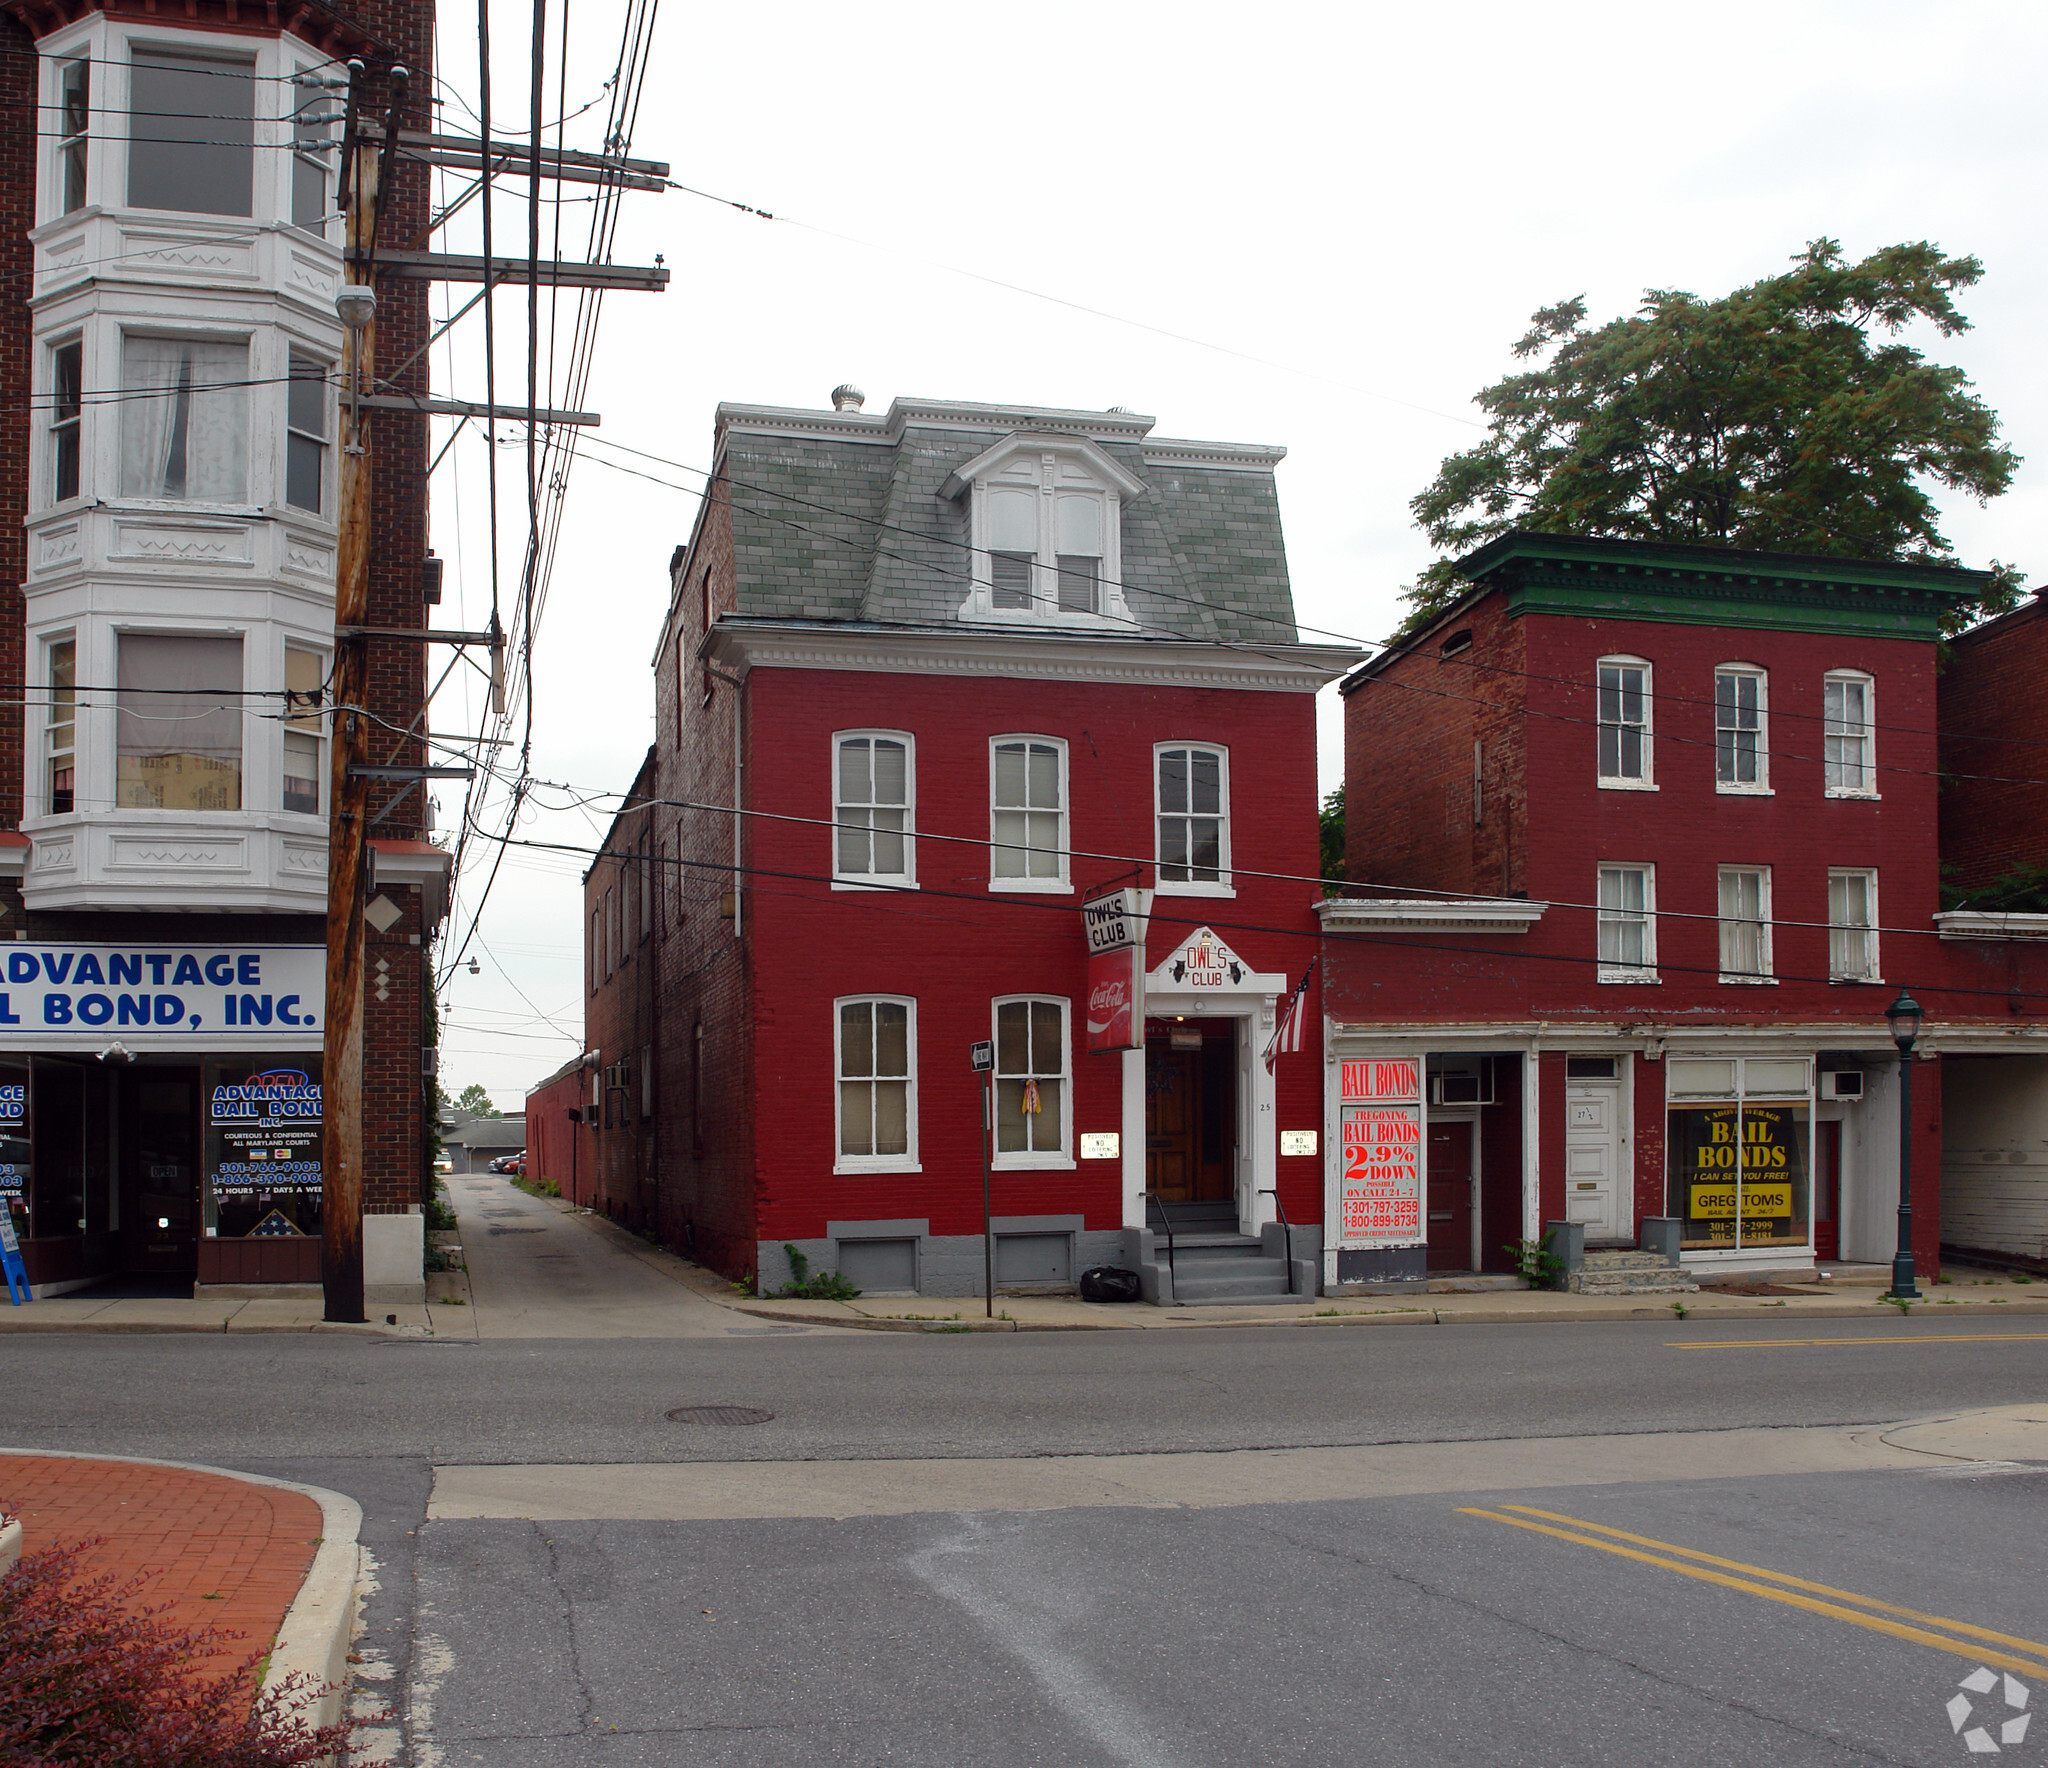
<point>1582,577</point>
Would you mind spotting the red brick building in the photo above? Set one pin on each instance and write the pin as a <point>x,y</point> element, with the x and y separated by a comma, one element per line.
<point>1642,844</point>
<point>170,249</point>
<point>928,680</point>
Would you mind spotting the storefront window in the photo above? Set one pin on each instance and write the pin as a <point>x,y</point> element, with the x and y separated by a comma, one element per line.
<point>15,1170</point>
<point>1739,1136</point>
<point>262,1148</point>
<point>58,1193</point>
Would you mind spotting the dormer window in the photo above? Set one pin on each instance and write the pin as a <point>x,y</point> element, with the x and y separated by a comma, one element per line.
<point>1046,518</point>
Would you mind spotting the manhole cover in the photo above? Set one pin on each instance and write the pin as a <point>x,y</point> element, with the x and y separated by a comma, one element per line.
<point>719,1415</point>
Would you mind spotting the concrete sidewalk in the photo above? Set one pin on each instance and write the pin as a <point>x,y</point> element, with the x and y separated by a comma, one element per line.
<point>272,1565</point>
<point>86,1312</point>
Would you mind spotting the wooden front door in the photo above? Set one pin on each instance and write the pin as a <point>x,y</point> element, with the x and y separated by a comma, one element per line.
<point>1450,1196</point>
<point>1827,1190</point>
<point>1190,1120</point>
<point>160,1169</point>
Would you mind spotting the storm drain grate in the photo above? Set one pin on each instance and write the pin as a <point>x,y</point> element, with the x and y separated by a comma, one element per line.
<point>719,1415</point>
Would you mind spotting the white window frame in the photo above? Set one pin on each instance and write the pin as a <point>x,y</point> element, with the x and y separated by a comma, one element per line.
<point>58,419</point>
<point>1760,787</point>
<point>1038,1159</point>
<point>1061,883</point>
<point>1873,970</point>
<point>51,724</point>
<point>174,45</point>
<point>1222,884</point>
<point>129,399</point>
<point>1047,469</point>
<point>321,369</point>
<point>907,878</point>
<point>907,1161</point>
<point>72,146</point>
<point>1867,735</point>
<point>1613,969</point>
<point>303,721</point>
<point>1728,924</point>
<point>1647,781</point>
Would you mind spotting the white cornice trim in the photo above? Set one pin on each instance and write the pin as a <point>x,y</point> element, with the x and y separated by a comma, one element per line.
<point>1990,924</point>
<point>1478,914</point>
<point>1241,457</point>
<point>927,414</point>
<point>742,645</point>
<point>1603,1036</point>
<point>1128,485</point>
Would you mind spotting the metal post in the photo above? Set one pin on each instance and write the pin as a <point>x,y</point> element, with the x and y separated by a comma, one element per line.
<point>1902,1261</point>
<point>341,1215</point>
<point>988,1231</point>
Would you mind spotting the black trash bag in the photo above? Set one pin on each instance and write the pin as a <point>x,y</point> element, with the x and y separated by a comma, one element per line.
<point>1107,1283</point>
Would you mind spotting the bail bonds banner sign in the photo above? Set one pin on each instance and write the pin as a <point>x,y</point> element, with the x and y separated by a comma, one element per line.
<point>1380,1185</point>
<point>216,995</point>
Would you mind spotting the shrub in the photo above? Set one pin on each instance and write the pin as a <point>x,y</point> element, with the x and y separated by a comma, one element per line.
<point>95,1680</point>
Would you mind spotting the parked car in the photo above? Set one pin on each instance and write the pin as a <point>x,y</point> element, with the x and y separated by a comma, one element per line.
<point>504,1163</point>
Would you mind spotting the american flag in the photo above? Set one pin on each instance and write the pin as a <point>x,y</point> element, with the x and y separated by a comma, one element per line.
<point>1287,1035</point>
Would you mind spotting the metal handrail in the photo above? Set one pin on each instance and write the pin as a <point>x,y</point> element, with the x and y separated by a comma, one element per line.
<point>1286,1233</point>
<point>1166,1222</point>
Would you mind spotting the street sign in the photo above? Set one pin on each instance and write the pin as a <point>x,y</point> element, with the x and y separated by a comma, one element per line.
<point>982,1057</point>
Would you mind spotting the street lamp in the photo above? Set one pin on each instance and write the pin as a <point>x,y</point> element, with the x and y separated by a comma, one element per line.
<point>1904,1017</point>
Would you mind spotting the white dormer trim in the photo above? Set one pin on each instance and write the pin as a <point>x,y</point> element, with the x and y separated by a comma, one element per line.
<point>1056,472</point>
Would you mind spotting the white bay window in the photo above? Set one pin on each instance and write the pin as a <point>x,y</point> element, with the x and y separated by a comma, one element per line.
<point>184,420</point>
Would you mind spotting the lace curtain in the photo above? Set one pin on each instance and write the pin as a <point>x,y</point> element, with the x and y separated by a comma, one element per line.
<point>184,420</point>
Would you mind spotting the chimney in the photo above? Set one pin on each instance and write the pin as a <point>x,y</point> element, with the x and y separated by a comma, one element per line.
<point>847,397</point>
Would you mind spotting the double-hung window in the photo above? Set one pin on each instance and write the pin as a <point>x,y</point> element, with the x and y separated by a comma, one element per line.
<point>1628,924</point>
<point>1032,1128</point>
<point>305,439</point>
<point>1027,813</point>
<point>1624,722</point>
<point>191,133</point>
<point>1192,789</point>
<point>873,786</point>
<point>315,112</point>
<point>74,131</point>
<point>178,723</point>
<point>876,1039</point>
<point>1742,756</point>
<point>67,405</point>
<point>1847,734</point>
<point>1852,925</point>
<point>184,419</point>
<point>60,729</point>
<point>304,675</point>
<point>1745,923</point>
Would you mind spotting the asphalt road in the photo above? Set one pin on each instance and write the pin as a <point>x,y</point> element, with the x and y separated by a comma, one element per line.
<point>1436,1621</point>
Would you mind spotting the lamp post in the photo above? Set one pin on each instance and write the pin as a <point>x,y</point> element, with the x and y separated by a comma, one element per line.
<point>1904,1017</point>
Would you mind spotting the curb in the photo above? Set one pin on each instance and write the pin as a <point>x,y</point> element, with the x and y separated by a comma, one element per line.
<point>314,1638</point>
<point>1560,1316</point>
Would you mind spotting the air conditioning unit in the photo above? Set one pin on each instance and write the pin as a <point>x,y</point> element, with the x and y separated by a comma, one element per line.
<point>1841,1083</point>
<point>1467,1087</point>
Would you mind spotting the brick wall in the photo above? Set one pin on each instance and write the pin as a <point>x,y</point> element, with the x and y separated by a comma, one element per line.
<point>1994,795</point>
<point>704,1035</point>
<point>1409,737</point>
<point>619,1158</point>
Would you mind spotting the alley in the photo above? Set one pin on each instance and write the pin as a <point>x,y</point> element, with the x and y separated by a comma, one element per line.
<point>537,1271</point>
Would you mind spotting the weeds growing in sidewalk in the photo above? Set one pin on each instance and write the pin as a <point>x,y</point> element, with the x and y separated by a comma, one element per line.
<point>538,1187</point>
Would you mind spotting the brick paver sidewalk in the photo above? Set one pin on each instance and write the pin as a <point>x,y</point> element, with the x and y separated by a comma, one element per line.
<point>218,1551</point>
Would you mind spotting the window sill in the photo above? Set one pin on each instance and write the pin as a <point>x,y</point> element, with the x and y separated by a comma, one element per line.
<point>1727,791</point>
<point>892,1165</point>
<point>1843,792</point>
<point>1031,886</point>
<point>1855,982</point>
<point>1742,981</point>
<point>1033,1163</point>
<point>1161,888</point>
<point>1629,976</point>
<point>878,882</point>
<point>1607,785</point>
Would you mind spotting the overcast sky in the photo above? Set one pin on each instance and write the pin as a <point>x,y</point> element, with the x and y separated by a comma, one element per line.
<point>1353,210</point>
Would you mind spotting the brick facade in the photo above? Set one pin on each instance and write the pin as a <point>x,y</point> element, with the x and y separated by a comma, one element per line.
<point>1994,756</point>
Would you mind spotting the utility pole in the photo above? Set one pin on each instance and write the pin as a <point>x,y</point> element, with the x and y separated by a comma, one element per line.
<point>341,1074</point>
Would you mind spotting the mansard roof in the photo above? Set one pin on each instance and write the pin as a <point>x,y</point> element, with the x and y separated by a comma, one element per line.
<point>840,515</point>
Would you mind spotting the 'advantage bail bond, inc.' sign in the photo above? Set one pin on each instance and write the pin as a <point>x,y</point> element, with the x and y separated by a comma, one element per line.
<point>222,996</point>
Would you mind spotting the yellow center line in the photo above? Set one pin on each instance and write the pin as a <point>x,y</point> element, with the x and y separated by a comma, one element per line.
<point>1759,1571</point>
<point>1791,1598</point>
<point>1767,1344</point>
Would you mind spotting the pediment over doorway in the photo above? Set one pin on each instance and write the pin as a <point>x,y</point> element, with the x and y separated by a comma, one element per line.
<point>1203,964</point>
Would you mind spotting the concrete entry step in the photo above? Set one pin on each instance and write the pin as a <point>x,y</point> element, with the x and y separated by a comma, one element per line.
<point>1663,1279</point>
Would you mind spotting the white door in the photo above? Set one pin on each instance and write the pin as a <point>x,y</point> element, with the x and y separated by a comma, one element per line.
<point>1593,1175</point>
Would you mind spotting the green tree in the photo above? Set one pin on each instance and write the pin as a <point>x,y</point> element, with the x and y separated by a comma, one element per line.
<point>1331,818</point>
<point>475,1101</point>
<point>1775,417</point>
